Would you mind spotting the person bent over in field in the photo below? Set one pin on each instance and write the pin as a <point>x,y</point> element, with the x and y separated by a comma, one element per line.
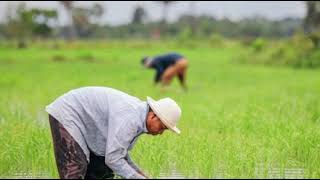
<point>168,66</point>
<point>94,128</point>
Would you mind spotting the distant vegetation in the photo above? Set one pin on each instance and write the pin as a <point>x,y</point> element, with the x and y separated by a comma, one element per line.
<point>85,22</point>
<point>298,52</point>
<point>290,41</point>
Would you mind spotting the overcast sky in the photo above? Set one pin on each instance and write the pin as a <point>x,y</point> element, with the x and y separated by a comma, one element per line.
<point>120,12</point>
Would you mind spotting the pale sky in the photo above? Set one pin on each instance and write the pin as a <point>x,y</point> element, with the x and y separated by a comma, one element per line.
<point>120,12</point>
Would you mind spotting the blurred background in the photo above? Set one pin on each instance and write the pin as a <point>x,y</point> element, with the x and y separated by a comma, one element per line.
<point>185,22</point>
<point>155,19</point>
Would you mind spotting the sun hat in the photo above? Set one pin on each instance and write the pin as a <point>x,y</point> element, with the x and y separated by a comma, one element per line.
<point>168,112</point>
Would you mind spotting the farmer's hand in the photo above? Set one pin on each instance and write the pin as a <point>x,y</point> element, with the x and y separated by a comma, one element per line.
<point>142,174</point>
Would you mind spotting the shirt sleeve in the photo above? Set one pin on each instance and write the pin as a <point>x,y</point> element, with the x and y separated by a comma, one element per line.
<point>131,163</point>
<point>117,150</point>
<point>159,73</point>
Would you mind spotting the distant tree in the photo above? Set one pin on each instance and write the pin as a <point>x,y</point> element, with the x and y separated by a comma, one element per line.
<point>96,12</point>
<point>19,25</point>
<point>312,21</point>
<point>25,23</point>
<point>80,17</point>
<point>2,31</point>
<point>68,6</point>
<point>84,18</point>
<point>193,20</point>
<point>165,8</point>
<point>41,19</point>
<point>139,15</point>
<point>163,24</point>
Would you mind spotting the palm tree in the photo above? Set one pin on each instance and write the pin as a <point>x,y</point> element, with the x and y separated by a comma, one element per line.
<point>312,21</point>
<point>192,10</point>
<point>166,5</point>
<point>68,5</point>
<point>97,11</point>
<point>163,23</point>
<point>139,15</point>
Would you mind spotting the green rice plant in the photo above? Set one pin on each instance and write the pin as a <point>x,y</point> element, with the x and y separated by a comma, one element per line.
<point>238,120</point>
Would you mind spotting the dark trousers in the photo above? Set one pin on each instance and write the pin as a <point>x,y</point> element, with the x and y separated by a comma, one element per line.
<point>70,158</point>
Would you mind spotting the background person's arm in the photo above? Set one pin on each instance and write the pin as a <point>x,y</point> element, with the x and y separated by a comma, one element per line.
<point>159,73</point>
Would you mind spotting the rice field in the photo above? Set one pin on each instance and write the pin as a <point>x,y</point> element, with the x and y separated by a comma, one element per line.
<point>238,120</point>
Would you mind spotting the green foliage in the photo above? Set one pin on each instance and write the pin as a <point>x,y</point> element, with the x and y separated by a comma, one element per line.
<point>28,23</point>
<point>85,19</point>
<point>315,38</point>
<point>216,40</point>
<point>312,19</point>
<point>258,45</point>
<point>185,35</point>
<point>87,57</point>
<point>298,52</point>
<point>58,58</point>
<point>86,25</point>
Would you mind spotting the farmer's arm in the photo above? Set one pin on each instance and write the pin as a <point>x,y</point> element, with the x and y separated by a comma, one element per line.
<point>117,150</point>
<point>159,67</point>
<point>134,166</point>
<point>159,73</point>
<point>131,163</point>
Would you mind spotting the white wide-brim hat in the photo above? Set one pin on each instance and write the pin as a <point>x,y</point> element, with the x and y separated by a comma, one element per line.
<point>168,112</point>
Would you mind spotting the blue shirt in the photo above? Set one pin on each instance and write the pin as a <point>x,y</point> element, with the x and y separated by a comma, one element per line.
<point>104,121</point>
<point>161,63</point>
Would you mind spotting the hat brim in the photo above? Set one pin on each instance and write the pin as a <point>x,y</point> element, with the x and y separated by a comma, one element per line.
<point>152,104</point>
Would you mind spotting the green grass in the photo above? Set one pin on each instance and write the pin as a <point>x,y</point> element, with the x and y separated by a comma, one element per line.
<point>235,118</point>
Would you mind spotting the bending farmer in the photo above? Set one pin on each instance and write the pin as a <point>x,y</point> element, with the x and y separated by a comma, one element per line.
<point>168,66</point>
<point>93,129</point>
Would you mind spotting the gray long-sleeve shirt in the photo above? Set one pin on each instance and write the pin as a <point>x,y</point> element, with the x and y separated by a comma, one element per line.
<point>104,121</point>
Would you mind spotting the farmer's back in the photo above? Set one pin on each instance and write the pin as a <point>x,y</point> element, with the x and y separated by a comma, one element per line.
<point>166,60</point>
<point>91,114</point>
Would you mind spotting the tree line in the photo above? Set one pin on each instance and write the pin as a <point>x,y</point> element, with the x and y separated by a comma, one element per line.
<point>86,22</point>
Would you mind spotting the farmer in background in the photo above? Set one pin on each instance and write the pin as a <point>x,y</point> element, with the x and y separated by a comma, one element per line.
<point>168,66</point>
<point>93,129</point>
